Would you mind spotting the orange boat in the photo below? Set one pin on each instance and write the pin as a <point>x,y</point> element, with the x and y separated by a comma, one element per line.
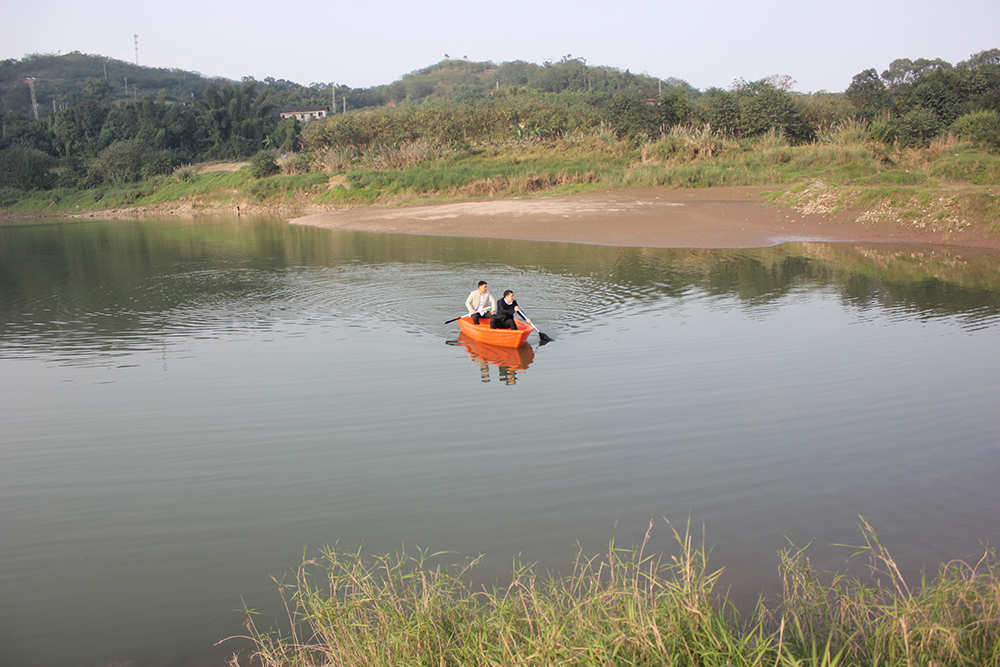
<point>482,332</point>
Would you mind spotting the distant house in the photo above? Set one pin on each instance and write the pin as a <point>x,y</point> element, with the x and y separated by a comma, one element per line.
<point>302,114</point>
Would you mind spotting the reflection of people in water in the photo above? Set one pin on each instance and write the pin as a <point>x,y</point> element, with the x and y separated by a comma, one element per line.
<point>480,303</point>
<point>510,362</point>
<point>504,317</point>
<point>508,375</point>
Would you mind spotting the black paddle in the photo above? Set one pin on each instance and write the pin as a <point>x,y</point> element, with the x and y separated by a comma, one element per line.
<point>542,337</point>
<point>455,318</point>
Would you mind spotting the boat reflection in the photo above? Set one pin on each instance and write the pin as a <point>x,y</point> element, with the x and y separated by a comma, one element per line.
<point>509,361</point>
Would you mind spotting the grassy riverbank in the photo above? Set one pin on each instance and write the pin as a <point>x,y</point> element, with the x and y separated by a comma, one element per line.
<point>948,185</point>
<point>628,607</point>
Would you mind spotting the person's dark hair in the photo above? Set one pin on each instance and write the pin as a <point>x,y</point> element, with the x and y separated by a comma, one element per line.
<point>506,292</point>
<point>481,283</point>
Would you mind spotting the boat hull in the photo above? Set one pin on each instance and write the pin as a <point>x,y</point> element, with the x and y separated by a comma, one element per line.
<point>482,332</point>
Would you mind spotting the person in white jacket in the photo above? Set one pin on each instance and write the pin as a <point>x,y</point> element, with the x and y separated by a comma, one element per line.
<point>481,303</point>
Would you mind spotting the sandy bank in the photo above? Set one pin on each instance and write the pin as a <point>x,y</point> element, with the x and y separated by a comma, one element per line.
<point>667,218</point>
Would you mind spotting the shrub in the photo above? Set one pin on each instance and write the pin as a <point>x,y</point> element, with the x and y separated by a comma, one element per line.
<point>263,164</point>
<point>982,128</point>
<point>405,154</point>
<point>632,117</point>
<point>917,127</point>
<point>336,159</point>
<point>683,143</point>
<point>848,132</point>
<point>26,168</point>
<point>294,164</point>
<point>129,161</point>
<point>765,108</point>
<point>703,139</point>
<point>185,172</point>
<point>666,148</point>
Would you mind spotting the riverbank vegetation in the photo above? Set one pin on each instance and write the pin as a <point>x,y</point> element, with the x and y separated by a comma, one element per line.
<point>919,142</point>
<point>629,607</point>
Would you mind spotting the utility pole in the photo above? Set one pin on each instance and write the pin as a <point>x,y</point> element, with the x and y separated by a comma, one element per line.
<point>136,35</point>
<point>333,91</point>
<point>34,102</point>
<point>126,86</point>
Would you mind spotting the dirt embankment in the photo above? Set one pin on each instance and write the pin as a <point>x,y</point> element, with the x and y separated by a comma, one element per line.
<point>724,217</point>
<point>702,218</point>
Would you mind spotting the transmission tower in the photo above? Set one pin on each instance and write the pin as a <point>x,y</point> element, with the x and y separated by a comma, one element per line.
<point>34,102</point>
<point>136,35</point>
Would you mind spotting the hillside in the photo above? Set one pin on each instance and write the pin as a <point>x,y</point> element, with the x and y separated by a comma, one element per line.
<point>64,80</point>
<point>897,142</point>
<point>61,80</point>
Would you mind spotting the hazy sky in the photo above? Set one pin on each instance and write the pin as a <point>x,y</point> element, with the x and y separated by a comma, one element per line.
<point>363,43</point>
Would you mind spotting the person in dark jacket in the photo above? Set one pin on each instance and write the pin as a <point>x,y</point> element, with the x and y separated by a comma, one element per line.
<point>504,317</point>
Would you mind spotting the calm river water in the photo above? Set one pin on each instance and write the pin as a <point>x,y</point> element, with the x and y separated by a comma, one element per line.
<point>189,406</point>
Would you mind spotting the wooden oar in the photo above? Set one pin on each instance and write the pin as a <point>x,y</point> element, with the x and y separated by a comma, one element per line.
<point>542,337</point>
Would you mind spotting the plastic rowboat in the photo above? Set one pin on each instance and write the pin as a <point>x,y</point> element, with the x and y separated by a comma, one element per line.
<point>500,337</point>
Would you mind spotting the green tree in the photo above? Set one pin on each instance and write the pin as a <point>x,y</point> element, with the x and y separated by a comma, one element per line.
<point>26,168</point>
<point>165,126</point>
<point>286,135</point>
<point>868,94</point>
<point>77,130</point>
<point>675,107</point>
<point>632,117</point>
<point>18,129</point>
<point>720,109</point>
<point>917,127</point>
<point>236,119</point>
<point>263,164</point>
<point>903,71</point>
<point>126,162</point>
<point>764,106</point>
<point>937,92</point>
<point>982,128</point>
<point>980,80</point>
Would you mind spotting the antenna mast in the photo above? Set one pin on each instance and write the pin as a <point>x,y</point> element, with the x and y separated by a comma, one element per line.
<point>136,35</point>
<point>34,103</point>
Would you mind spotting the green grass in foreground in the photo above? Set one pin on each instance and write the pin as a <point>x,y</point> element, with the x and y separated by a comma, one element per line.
<point>631,608</point>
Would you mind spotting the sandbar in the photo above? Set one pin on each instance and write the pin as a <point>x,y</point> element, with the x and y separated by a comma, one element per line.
<point>724,217</point>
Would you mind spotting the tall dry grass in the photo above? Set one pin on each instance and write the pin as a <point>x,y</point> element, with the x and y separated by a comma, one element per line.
<point>847,132</point>
<point>629,607</point>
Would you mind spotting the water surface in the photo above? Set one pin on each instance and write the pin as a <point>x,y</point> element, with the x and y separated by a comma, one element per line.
<point>188,406</point>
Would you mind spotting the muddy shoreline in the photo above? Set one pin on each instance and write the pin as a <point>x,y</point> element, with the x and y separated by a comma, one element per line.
<point>656,218</point>
<point>721,217</point>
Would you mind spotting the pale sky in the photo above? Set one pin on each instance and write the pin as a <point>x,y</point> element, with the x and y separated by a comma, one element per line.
<point>364,43</point>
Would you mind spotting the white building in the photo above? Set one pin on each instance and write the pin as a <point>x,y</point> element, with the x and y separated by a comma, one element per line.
<point>303,114</point>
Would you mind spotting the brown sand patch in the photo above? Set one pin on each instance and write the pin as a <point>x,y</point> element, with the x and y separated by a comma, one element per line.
<point>664,218</point>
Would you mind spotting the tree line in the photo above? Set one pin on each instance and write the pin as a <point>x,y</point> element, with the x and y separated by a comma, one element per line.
<point>99,135</point>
